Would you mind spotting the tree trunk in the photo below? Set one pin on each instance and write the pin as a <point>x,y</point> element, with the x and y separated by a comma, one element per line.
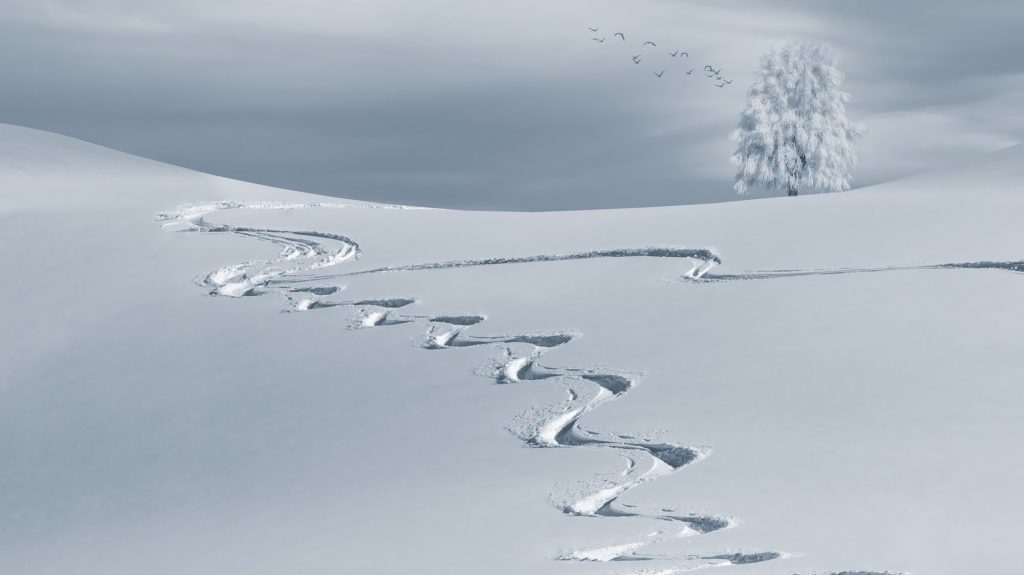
<point>792,191</point>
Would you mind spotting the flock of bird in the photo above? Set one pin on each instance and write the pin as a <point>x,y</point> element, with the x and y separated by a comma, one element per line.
<point>709,71</point>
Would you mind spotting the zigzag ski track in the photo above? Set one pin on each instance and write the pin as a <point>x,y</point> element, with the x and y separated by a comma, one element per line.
<point>558,426</point>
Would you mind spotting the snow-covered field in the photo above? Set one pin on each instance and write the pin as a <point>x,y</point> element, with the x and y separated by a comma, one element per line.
<point>206,376</point>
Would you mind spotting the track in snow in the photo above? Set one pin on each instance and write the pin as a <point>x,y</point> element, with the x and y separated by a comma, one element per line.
<point>1015,267</point>
<point>554,426</point>
<point>706,260</point>
<point>300,250</point>
<point>560,426</point>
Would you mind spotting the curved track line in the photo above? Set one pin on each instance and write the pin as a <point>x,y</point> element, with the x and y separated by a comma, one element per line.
<point>244,279</point>
<point>557,426</point>
<point>560,427</point>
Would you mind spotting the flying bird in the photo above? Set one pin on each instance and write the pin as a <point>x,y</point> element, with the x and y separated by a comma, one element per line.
<point>687,54</point>
<point>598,40</point>
<point>673,54</point>
<point>659,74</point>
<point>649,42</point>
<point>621,35</point>
<point>592,29</point>
<point>637,59</point>
<point>710,71</point>
<point>690,72</point>
<point>721,85</point>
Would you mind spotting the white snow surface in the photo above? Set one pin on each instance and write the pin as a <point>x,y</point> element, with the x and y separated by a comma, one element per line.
<point>206,376</point>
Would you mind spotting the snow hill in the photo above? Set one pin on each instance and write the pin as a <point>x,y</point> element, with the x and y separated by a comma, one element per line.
<point>206,376</point>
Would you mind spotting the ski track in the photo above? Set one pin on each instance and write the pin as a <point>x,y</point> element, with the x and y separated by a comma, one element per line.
<point>553,426</point>
<point>1014,267</point>
<point>707,260</point>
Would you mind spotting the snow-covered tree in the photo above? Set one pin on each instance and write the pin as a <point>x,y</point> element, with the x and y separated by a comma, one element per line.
<point>794,134</point>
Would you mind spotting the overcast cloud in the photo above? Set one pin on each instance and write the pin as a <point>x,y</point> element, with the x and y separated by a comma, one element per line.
<point>496,104</point>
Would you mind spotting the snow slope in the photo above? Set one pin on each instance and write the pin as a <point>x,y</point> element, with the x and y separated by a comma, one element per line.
<point>207,376</point>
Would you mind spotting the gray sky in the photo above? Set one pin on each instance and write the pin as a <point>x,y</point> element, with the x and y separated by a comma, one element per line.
<point>496,104</point>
